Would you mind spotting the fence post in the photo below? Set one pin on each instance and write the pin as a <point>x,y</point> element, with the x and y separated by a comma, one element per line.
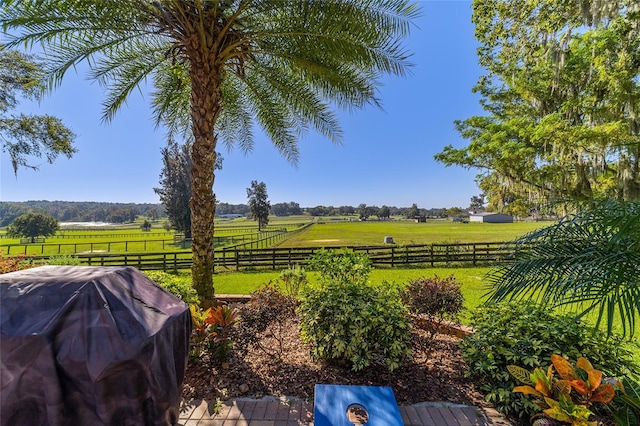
<point>474,255</point>
<point>431,254</point>
<point>274,258</point>
<point>392,256</point>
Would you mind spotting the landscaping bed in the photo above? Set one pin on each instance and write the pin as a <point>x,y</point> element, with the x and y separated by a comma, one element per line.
<point>434,373</point>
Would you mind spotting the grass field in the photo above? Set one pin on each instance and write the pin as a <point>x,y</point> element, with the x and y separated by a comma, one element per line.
<point>471,280</point>
<point>131,240</point>
<point>355,233</point>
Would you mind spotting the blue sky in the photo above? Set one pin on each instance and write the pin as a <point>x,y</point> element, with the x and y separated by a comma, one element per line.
<point>386,156</point>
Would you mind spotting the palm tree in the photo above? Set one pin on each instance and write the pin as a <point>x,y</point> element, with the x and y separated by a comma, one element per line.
<point>219,65</point>
<point>590,260</point>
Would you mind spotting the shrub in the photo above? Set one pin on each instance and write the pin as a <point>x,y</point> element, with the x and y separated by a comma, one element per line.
<point>565,392</point>
<point>527,335</point>
<point>626,405</point>
<point>64,259</point>
<point>348,320</point>
<point>440,299</point>
<point>17,263</point>
<point>212,330</point>
<point>178,286</point>
<point>263,320</point>
<point>294,278</point>
<point>344,266</point>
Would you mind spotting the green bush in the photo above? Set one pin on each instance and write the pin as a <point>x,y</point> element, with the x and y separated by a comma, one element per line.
<point>526,335</point>
<point>626,404</point>
<point>180,287</point>
<point>349,321</point>
<point>294,278</point>
<point>64,259</point>
<point>344,266</point>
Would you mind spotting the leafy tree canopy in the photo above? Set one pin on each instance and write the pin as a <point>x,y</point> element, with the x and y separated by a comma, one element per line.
<point>32,225</point>
<point>25,136</point>
<point>562,97</point>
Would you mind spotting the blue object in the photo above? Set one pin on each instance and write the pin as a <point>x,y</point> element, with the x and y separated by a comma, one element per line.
<point>332,401</point>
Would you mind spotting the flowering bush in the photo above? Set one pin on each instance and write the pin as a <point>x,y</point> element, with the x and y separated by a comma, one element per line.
<point>17,263</point>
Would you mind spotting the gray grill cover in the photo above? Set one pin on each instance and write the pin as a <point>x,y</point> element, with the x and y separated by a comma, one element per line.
<point>90,346</point>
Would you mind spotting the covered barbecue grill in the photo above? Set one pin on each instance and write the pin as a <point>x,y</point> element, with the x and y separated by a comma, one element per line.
<point>90,346</point>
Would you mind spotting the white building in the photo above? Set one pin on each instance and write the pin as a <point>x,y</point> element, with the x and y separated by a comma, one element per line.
<point>490,217</point>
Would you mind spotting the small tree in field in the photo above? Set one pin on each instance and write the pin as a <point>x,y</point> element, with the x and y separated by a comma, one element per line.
<point>259,203</point>
<point>32,225</point>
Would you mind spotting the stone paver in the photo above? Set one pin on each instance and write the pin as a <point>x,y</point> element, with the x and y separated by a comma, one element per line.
<point>280,412</point>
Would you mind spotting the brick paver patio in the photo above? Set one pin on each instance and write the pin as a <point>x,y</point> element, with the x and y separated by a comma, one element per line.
<point>280,412</point>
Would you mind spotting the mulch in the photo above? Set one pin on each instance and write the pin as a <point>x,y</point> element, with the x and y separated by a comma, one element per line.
<point>286,368</point>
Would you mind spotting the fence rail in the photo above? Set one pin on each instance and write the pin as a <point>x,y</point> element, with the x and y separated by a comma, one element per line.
<point>79,248</point>
<point>256,240</point>
<point>423,255</point>
<point>62,234</point>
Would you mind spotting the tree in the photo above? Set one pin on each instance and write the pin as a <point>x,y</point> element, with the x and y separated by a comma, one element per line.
<point>286,209</point>
<point>219,65</point>
<point>32,226</point>
<point>454,212</point>
<point>413,212</point>
<point>22,135</point>
<point>346,210</point>
<point>561,99</point>
<point>146,226</point>
<point>477,202</point>
<point>363,212</point>
<point>590,259</point>
<point>175,179</point>
<point>259,205</point>
<point>384,212</point>
<point>319,211</point>
<point>8,212</point>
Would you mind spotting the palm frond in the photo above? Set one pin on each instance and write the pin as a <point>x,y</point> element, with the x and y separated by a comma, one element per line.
<point>590,260</point>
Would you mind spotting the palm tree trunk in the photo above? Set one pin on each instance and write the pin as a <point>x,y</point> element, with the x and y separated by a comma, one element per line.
<point>205,108</point>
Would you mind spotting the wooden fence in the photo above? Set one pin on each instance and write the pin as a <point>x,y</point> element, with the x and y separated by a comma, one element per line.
<point>76,248</point>
<point>62,234</point>
<point>424,255</point>
<point>252,241</point>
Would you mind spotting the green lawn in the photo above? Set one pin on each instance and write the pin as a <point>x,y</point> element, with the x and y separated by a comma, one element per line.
<point>470,280</point>
<point>355,233</point>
